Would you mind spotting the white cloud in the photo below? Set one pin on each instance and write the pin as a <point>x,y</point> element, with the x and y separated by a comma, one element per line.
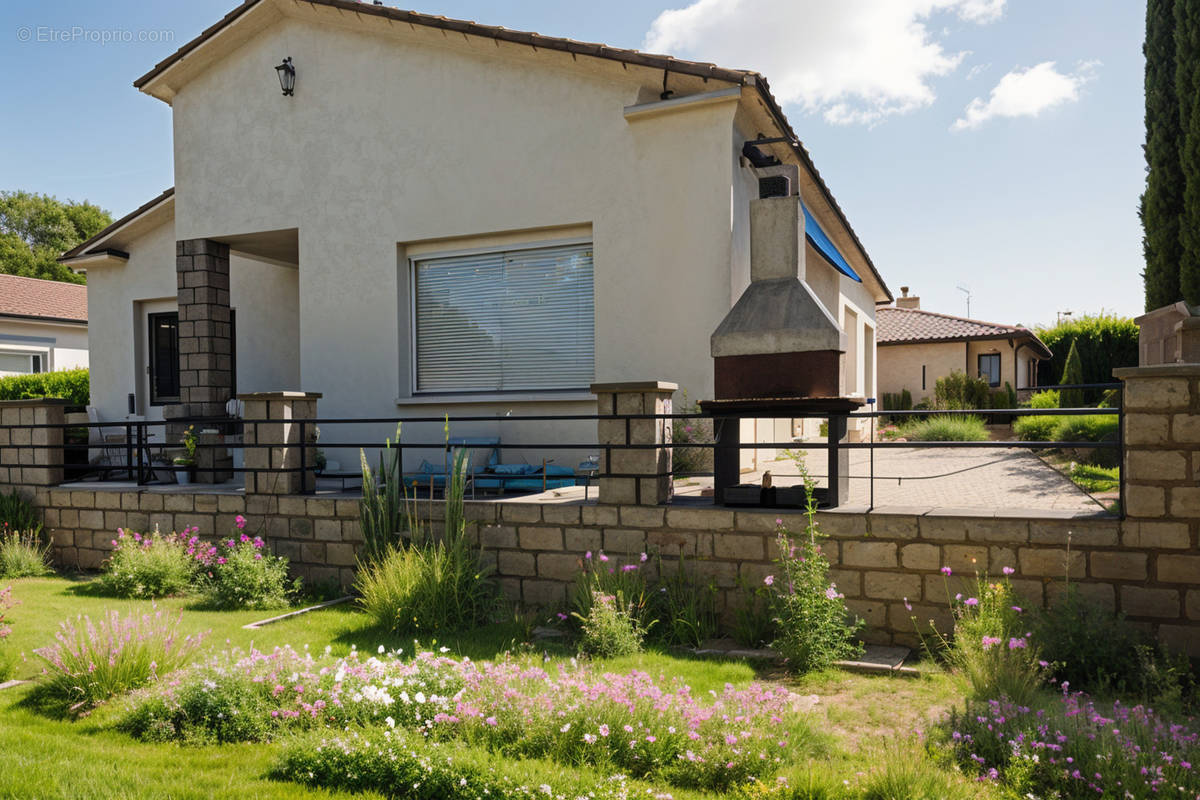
<point>854,61</point>
<point>1026,93</point>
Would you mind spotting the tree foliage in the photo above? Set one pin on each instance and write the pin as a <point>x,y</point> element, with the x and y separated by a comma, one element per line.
<point>1072,376</point>
<point>1104,342</point>
<point>1163,198</point>
<point>35,229</point>
<point>1187,89</point>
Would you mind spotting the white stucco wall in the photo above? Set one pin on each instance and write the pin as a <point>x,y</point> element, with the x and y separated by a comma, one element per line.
<point>62,346</point>
<point>266,298</point>
<point>899,366</point>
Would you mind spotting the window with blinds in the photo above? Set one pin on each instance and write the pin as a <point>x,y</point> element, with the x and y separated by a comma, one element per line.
<point>509,321</point>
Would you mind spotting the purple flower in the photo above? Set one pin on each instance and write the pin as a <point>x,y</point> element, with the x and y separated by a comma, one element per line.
<point>588,555</point>
<point>239,521</point>
<point>907,605</point>
<point>769,580</point>
<point>644,558</point>
<point>1017,644</point>
<point>990,641</point>
<point>1008,570</point>
<point>603,557</point>
<point>972,601</point>
<point>947,571</point>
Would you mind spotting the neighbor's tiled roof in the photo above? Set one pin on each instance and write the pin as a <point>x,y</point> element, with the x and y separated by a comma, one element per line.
<point>31,297</point>
<point>914,326</point>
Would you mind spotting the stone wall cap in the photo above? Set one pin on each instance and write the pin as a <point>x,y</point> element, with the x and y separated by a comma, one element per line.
<point>634,386</point>
<point>281,396</point>
<point>37,401</point>
<point>1157,371</point>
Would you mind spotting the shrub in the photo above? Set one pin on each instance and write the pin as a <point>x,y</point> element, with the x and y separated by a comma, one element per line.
<point>385,761</point>
<point>150,566</point>
<point>685,606</point>
<point>93,661</point>
<point>991,650</point>
<point>1035,429</point>
<point>68,384</point>
<point>1072,376</point>
<point>1096,650</point>
<point>687,460</point>
<point>1076,748</point>
<point>384,510</point>
<point>23,555</point>
<point>1095,428</point>
<point>1103,341</point>
<point>609,630</point>
<point>626,583</point>
<point>958,390</point>
<point>945,428</point>
<point>6,660</point>
<point>243,575</point>
<point>18,514</point>
<point>1047,399</point>
<point>814,628</point>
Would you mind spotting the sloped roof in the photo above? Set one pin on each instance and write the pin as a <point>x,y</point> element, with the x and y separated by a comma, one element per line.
<point>39,299</point>
<point>701,69</point>
<point>915,326</point>
<point>83,246</point>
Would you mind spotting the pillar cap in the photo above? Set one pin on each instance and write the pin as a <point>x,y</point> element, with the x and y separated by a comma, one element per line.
<point>633,386</point>
<point>1157,371</point>
<point>280,396</point>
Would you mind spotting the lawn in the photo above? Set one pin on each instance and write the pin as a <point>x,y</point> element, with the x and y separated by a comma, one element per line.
<point>864,725</point>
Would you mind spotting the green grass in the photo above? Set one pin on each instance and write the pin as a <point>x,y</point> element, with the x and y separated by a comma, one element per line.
<point>1096,479</point>
<point>47,757</point>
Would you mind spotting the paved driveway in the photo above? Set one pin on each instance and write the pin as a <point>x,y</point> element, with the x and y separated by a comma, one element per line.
<point>990,478</point>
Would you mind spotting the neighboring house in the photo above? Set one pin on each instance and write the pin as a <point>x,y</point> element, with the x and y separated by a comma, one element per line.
<point>917,347</point>
<point>445,217</point>
<point>43,325</point>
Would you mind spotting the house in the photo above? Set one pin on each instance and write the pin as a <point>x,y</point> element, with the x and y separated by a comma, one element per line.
<point>439,216</point>
<point>43,325</point>
<point>917,347</point>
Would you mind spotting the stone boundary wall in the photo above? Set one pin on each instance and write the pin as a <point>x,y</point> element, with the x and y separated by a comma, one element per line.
<point>1147,569</point>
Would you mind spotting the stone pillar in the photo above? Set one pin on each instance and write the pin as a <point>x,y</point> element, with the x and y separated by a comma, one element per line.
<point>641,476</point>
<point>281,432</point>
<point>1161,497</point>
<point>27,452</point>
<point>205,334</point>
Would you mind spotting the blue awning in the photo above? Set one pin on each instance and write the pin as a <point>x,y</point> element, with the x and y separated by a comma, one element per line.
<point>814,233</point>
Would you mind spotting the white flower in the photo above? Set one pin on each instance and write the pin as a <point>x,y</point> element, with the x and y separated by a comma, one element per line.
<point>565,728</point>
<point>391,723</point>
<point>444,650</point>
<point>420,698</point>
<point>381,650</point>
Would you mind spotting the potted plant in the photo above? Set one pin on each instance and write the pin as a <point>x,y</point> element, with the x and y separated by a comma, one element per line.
<point>185,466</point>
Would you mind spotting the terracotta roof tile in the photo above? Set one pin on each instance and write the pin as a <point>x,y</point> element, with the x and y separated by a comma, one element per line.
<point>32,297</point>
<point>912,325</point>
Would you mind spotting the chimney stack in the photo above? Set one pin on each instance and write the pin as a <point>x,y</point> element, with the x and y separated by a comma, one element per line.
<point>904,301</point>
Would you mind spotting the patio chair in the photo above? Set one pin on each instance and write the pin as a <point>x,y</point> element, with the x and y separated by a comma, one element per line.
<point>106,444</point>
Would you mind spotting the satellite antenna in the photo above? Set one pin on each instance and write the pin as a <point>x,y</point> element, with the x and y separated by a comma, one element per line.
<point>967,292</point>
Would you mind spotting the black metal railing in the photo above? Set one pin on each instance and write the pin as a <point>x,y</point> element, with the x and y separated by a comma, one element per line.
<point>138,453</point>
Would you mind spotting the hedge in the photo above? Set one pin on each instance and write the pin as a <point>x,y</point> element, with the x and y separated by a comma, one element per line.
<point>69,384</point>
<point>1104,342</point>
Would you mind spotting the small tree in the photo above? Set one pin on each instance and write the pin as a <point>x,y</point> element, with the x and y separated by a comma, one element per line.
<point>1072,374</point>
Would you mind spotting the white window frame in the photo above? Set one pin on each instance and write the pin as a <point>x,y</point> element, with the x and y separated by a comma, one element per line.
<point>39,352</point>
<point>484,394</point>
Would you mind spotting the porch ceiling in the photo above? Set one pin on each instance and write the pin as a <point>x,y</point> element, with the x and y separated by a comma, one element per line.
<point>281,245</point>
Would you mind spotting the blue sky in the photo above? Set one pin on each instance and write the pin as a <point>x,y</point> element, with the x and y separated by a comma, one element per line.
<point>1030,201</point>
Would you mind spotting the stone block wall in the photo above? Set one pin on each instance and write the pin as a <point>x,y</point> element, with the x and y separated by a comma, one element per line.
<point>1148,570</point>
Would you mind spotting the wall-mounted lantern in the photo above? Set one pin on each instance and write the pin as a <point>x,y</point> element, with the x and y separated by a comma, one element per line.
<point>287,76</point>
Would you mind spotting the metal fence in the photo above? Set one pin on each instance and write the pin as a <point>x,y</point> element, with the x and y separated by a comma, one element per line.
<point>138,451</point>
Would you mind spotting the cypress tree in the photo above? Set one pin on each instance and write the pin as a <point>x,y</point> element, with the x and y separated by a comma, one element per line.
<point>1162,202</point>
<point>1072,375</point>
<point>1187,92</point>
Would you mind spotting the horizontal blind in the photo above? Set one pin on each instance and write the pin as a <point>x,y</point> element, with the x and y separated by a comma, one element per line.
<point>517,320</point>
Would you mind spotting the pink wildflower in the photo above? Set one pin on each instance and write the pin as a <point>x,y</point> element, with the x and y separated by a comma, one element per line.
<point>1008,570</point>
<point>947,571</point>
<point>769,580</point>
<point>239,521</point>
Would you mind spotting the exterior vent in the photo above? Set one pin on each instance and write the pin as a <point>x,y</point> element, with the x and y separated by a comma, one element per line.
<point>774,186</point>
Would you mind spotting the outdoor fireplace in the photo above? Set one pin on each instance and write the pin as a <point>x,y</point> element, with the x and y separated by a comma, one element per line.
<point>779,352</point>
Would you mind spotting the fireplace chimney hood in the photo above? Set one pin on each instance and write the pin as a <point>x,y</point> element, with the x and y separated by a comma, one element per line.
<point>779,340</point>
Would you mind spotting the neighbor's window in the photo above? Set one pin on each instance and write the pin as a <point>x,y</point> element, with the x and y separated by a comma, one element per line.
<point>164,358</point>
<point>516,320</point>
<point>21,363</point>
<point>989,368</point>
